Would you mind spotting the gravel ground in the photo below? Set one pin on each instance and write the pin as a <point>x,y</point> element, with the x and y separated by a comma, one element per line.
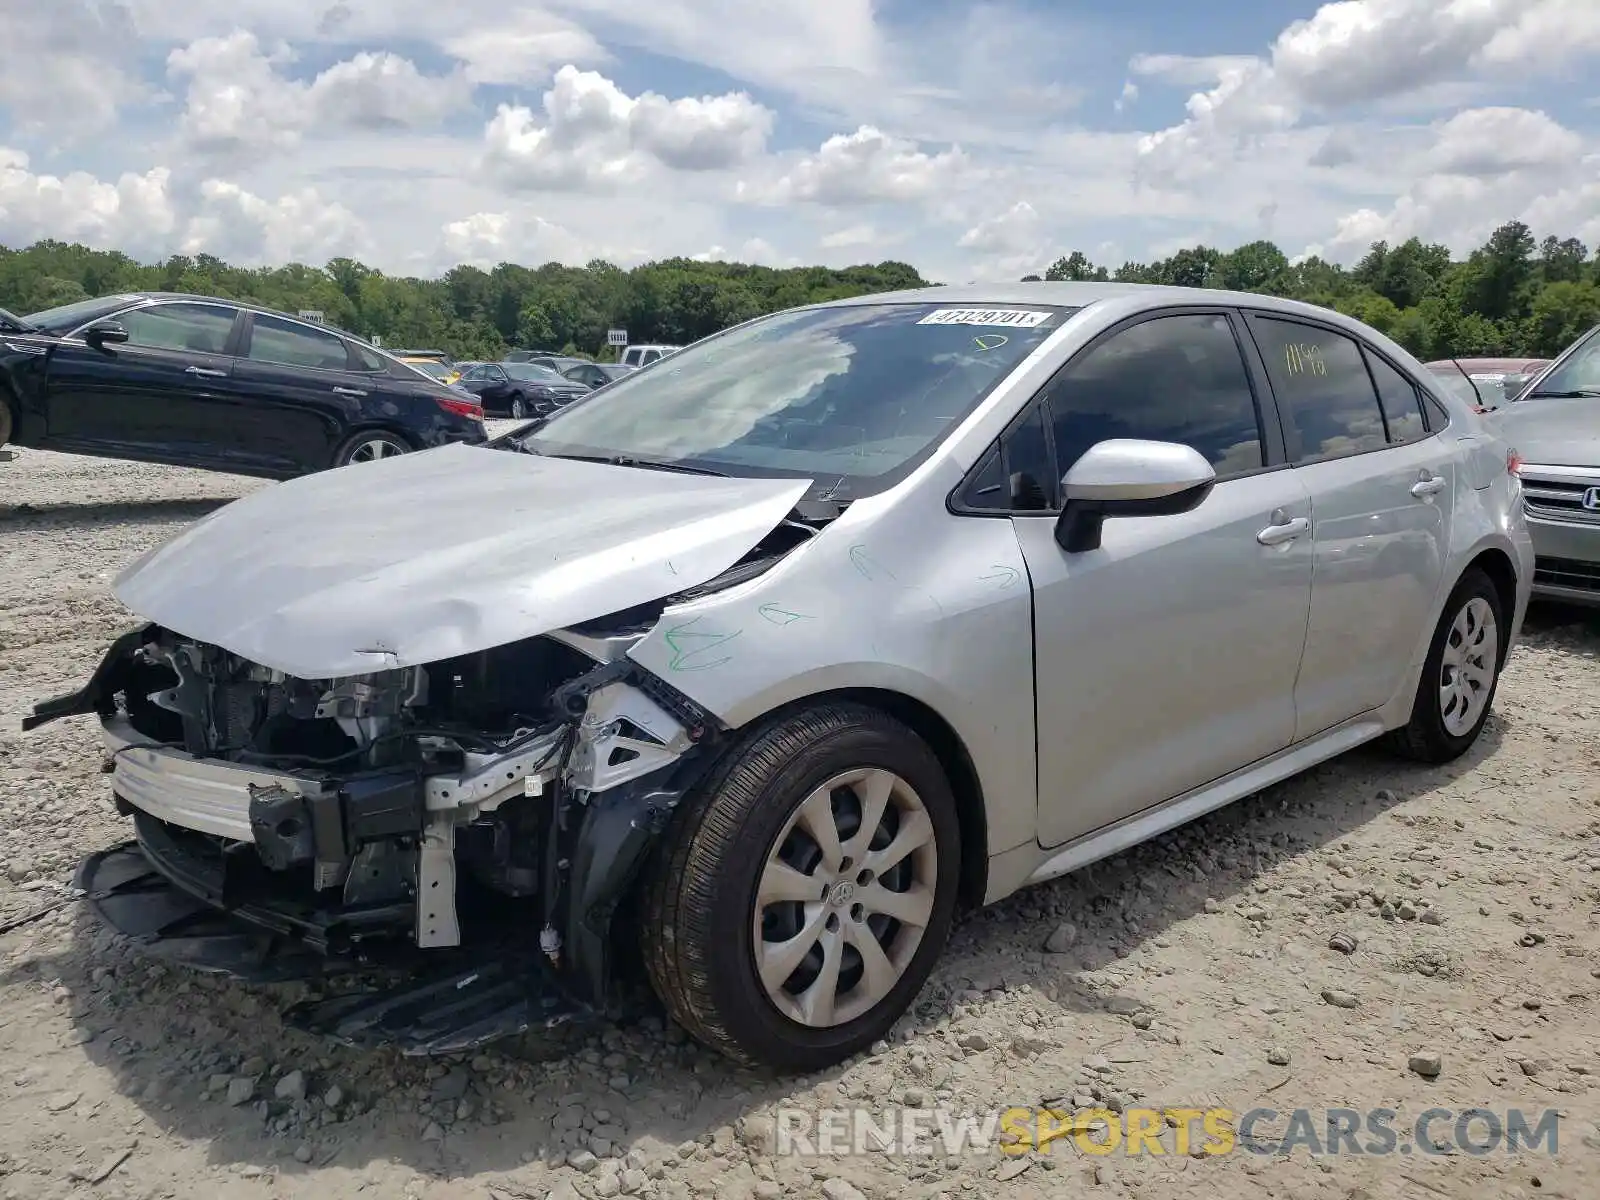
<point>1196,971</point>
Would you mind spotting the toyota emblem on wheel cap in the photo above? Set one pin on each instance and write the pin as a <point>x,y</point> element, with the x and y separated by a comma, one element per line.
<point>1591,500</point>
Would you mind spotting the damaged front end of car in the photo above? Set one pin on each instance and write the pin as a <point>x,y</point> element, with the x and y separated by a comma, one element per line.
<point>470,825</point>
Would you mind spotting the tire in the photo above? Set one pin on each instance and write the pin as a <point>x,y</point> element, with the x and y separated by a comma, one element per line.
<point>699,903</point>
<point>8,424</point>
<point>1439,731</point>
<point>519,407</point>
<point>370,445</point>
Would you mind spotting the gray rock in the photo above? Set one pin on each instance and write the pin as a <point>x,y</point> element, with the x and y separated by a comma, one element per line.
<point>1406,911</point>
<point>1426,1063</point>
<point>302,1152</point>
<point>634,1181</point>
<point>1432,916</point>
<point>334,1096</point>
<point>974,1041</point>
<point>240,1090</point>
<point>841,1189</point>
<point>607,1185</point>
<point>291,1087</point>
<point>583,1161</point>
<point>1534,1066</point>
<point>451,1086</point>
<point>1062,939</point>
<point>1340,999</point>
<point>1278,1056</point>
<point>433,1132</point>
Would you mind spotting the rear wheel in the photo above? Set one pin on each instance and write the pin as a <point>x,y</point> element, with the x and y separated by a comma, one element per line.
<point>8,425</point>
<point>806,891</point>
<point>1460,674</point>
<point>369,446</point>
<point>519,407</point>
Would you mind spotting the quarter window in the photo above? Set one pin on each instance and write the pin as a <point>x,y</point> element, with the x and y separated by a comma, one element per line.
<point>366,360</point>
<point>1170,379</point>
<point>203,328</point>
<point>1327,398</point>
<point>276,341</point>
<point>1402,407</point>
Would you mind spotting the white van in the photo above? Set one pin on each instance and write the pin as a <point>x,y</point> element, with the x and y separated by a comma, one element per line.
<point>643,356</point>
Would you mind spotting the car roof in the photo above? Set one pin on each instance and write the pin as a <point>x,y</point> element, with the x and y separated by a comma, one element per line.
<point>1504,365</point>
<point>1081,295</point>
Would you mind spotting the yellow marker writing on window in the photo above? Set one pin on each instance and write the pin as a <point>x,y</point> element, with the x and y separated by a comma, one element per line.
<point>1304,360</point>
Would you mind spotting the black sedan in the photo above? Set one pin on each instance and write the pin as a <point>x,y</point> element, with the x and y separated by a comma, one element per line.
<point>520,389</point>
<point>199,382</point>
<point>597,375</point>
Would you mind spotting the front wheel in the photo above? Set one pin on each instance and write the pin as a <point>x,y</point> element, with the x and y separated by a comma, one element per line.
<point>1459,676</point>
<point>370,446</point>
<point>805,892</point>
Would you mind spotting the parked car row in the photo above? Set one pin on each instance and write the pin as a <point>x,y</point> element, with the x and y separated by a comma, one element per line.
<point>201,382</point>
<point>868,608</point>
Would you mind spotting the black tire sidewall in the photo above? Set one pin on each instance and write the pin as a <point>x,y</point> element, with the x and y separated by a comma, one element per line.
<point>740,999</point>
<point>1473,585</point>
<point>8,421</point>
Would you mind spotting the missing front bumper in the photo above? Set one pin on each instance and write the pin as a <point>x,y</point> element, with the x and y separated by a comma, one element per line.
<point>434,1005</point>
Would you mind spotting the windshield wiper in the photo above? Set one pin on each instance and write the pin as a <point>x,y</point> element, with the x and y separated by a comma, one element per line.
<point>1572,394</point>
<point>15,324</point>
<point>627,460</point>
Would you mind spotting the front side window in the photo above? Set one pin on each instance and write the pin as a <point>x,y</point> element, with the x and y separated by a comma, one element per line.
<point>203,328</point>
<point>1402,407</point>
<point>1323,389</point>
<point>291,345</point>
<point>847,394</point>
<point>1577,376</point>
<point>1178,378</point>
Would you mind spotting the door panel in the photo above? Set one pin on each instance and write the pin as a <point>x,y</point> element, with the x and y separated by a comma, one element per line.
<point>296,394</point>
<point>1166,658</point>
<point>156,395</point>
<point>1380,491</point>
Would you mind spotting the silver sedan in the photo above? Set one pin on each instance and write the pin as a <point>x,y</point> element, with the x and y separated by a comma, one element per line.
<point>761,660</point>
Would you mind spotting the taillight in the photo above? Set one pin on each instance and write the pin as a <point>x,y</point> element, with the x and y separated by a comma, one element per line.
<point>1513,464</point>
<point>460,407</point>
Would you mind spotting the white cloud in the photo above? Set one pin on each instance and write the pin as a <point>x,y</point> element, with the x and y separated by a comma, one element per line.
<point>850,236</point>
<point>1496,141</point>
<point>868,166</point>
<point>594,135</point>
<point>133,214</point>
<point>525,48</point>
<point>1015,229</point>
<point>239,99</point>
<point>486,239</point>
<point>299,226</point>
<point>68,66</point>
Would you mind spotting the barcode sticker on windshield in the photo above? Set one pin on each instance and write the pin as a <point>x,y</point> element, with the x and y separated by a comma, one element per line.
<point>1007,318</point>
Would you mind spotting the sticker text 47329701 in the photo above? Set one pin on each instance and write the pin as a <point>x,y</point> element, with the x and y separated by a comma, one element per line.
<point>1005,318</point>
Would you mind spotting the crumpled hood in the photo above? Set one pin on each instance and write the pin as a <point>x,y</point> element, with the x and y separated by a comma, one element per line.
<point>417,558</point>
<point>1557,433</point>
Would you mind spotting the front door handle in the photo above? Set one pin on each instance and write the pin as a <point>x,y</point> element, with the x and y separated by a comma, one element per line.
<point>344,391</point>
<point>1427,486</point>
<point>1287,531</point>
<point>206,371</point>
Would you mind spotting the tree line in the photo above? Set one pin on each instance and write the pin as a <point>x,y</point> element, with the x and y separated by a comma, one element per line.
<point>1514,295</point>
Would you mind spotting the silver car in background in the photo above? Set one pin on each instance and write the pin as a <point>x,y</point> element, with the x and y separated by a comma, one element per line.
<point>751,666</point>
<point>1555,425</point>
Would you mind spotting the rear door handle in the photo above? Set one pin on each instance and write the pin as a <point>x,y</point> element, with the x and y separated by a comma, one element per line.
<point>206,371</point>
<point>1427,486</point>
<point>344,391</point>
<point>1287,531</point>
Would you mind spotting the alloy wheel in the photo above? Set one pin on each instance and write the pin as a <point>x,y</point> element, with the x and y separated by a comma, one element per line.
<point>1467,670</point>
<point>374,448</point>
<point>845,897</point>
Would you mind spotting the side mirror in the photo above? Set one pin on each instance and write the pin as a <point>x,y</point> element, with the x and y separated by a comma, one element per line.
<point>1125,477</point>
<point>105,333</point>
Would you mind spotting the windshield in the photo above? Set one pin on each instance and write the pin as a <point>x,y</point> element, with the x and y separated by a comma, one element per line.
<point>67,317</point>
<point>851,392</point>
<point>434,370</point>
<point>532,372</point>
<point>1577,374</point>
<point>1490,393</point>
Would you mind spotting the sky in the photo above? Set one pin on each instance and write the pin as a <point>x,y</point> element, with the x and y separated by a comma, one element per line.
<point>973,140</point>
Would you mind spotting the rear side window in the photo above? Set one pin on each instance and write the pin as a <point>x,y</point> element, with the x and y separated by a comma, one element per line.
<point>1402,406</point>
<point>292,345</point>
<point>1329,405</point>
<point>366,360</point>
<point>1178,378</point>
<point>651,356</point>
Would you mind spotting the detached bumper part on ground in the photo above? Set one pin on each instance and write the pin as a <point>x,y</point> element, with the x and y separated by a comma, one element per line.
<point>478,885</point>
